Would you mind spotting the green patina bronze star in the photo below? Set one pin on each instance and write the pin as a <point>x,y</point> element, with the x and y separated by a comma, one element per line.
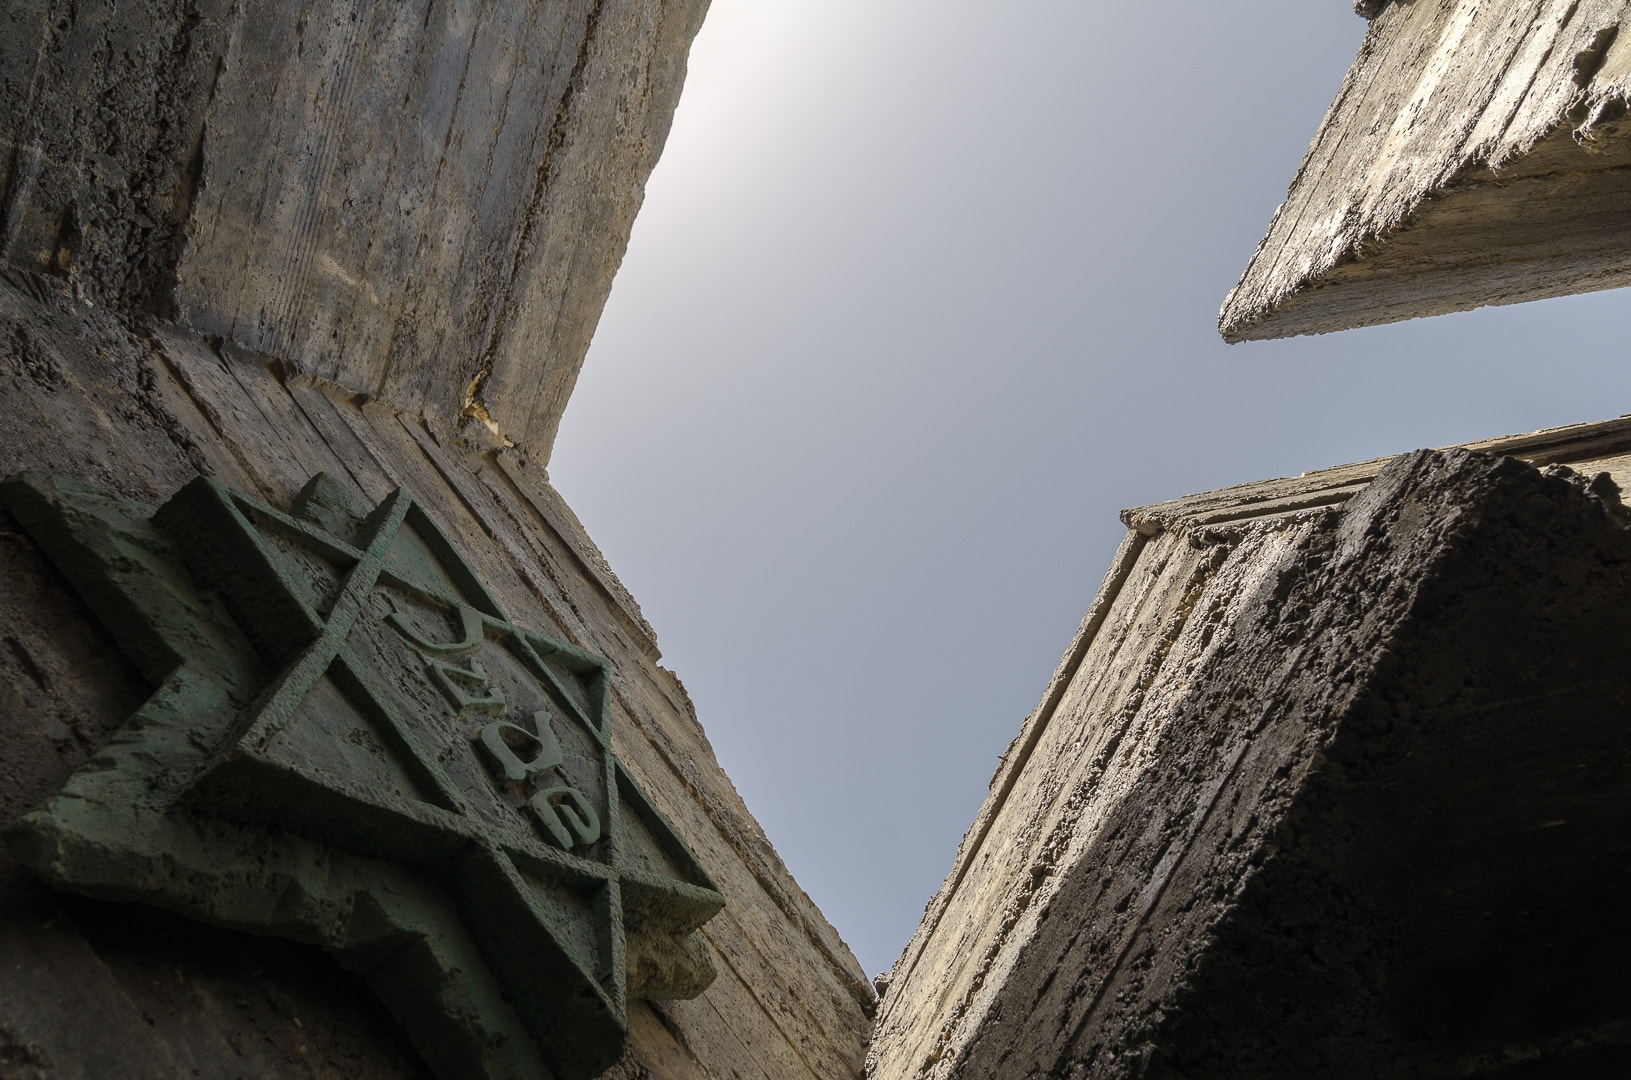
<point>352,745</point>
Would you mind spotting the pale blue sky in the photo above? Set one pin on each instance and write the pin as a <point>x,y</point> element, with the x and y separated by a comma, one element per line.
<point>922,294</point>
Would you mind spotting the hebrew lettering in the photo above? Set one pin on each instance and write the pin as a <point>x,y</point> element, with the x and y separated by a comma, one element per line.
<point>463,687</point>
<point>566,816</point>
<point>502,742</point>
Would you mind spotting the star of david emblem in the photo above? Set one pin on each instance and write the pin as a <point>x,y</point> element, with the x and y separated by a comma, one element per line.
<point>352,745</point>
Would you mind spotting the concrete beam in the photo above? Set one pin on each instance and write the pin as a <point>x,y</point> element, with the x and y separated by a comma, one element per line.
<point>1476,154</point>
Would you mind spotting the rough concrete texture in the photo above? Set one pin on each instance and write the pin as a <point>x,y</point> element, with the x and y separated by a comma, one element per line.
<point>1476,154</point>
<point>139,407</point>
<point>422,203</point>
<point>1339,792</point>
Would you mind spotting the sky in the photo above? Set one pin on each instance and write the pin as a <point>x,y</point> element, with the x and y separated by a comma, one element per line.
<point>922,294</point>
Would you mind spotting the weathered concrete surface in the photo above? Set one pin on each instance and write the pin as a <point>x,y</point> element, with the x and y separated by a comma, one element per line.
<point>257,241</point>
<point>1476,154</point>
<point>139,408</point>
<point>1339,791</point>
<point>419,202</point>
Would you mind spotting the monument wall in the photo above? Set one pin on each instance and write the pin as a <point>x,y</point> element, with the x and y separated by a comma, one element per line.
<point>1331,782</point>
<point>256,243</point>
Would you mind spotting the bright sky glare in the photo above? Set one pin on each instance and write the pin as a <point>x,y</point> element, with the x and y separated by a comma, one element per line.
<point>921,295</point>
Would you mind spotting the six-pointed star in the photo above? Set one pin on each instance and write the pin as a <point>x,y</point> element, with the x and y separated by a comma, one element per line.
<point>352,744</point>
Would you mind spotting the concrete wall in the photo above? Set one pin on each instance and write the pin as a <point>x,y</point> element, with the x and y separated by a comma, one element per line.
<point>256,241</point>
<point>1328,784</point>
<point>83,984</point>
<point>422,202</point>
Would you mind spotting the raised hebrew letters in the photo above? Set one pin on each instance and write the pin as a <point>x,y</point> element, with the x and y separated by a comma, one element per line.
<point>351,743</point>
<point>466,689</point>
<point>504,742</point>
<point>568,818</point>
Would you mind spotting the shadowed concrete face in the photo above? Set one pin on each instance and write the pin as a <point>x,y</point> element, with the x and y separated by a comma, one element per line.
<point>1336,793</point>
